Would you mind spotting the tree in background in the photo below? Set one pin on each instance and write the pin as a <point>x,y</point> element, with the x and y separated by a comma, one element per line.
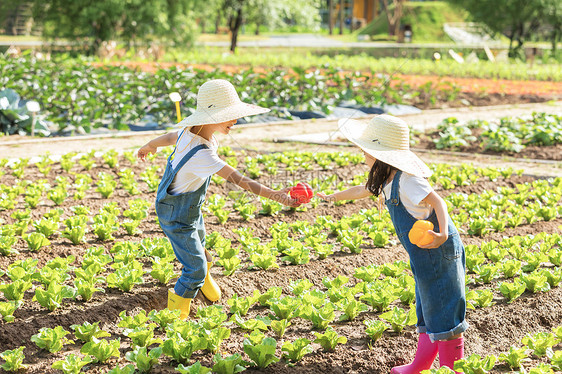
<point>519,20</point>
<point>393,15</point>
<point>130,21</point>
<point>272,14</point>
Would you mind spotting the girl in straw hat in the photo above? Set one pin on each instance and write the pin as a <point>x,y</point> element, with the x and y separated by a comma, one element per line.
<point>183,187</point>
<point>438,267</point>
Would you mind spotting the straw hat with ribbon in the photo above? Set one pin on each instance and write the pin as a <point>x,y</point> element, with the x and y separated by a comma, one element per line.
<point>386,138</point>
<point>217,101</point>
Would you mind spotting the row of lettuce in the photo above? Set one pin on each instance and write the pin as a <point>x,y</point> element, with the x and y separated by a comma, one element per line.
<point>376,296</point>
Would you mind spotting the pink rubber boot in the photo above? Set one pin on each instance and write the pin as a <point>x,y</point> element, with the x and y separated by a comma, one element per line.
<point>450,351</point>
<point>425,355</point>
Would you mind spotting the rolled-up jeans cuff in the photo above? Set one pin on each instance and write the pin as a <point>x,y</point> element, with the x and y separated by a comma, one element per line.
<point>180,290</point>
<point>460,328</point>
<point>421,329</point>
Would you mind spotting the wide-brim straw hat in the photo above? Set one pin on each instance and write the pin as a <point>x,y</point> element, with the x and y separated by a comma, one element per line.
<point>386,138</point>
<point>218,101</point>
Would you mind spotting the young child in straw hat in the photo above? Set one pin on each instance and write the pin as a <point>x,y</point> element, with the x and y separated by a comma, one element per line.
<point>183,187</point>
<point>438,267</point>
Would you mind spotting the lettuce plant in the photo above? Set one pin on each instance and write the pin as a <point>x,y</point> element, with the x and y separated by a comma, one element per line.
<point>241,305</point>
<point>181,348</point>
<point>512,290</point>
<point>14,359</point>
<point>101,350</point>
<point>162,270</point>
<point>6,245</point>
<point>87,331</point>
<point>330,339</point>
<point>51,339</point>
<point>7,310</point>
<point>126,277</point>
<point>475,364</point>
<point>279,326</point>
<point>52,297</point>
<point>320,317</point>
<point>36,241</point>
<point>72,364</point>
<point>87,288</point>
<point>296,350</point>
<point>215,336</point>
<point>251,324</point>
<point>375,329</point>
<point>228,365</point>
<point>297,254</point>
<point>46,226</point>
<point>535,282</point>
<point>264,261</point>
<point>15,290</point>
<point>144,360</point>
<point>262,354</point>
<point>399,318</point>
<point>541,343</point>
<point>164,317</point>
<point>131,322</point>
<point>142,336</point>
<point>230,265</point>
<point>273,293</point>
<point>510,268</point>
<point>285,308</point>
<point>379,298</point>
<point>351,308</point>
<point>75,229</point>
<point>514,357</point>
<point>196,368</point>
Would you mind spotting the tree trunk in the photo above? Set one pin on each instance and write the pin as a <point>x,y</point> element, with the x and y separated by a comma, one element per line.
<point>217,21</point>
<point>342,9</point>
<point>330,17</point>
<point>394,18</point>
<point>235,24</point>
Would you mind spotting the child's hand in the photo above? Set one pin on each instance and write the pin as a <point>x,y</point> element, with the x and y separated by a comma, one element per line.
<point>328,198</point>
<point>145,151</point>
<point>282,196</point>
<point>438,240</point>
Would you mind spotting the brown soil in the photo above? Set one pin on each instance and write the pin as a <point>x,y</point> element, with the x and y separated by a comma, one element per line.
<point>493,329</point>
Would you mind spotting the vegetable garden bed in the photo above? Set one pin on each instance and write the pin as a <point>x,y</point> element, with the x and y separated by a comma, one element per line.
<point>295,266</point>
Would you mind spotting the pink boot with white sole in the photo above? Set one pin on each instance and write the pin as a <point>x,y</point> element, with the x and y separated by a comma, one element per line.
<point>450,351</point>
<point>425,355</point>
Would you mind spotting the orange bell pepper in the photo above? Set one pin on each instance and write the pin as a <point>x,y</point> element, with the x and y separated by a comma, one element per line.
<point>419,235</point>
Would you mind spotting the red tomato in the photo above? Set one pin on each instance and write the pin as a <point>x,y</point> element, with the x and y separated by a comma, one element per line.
<point>302,192</point>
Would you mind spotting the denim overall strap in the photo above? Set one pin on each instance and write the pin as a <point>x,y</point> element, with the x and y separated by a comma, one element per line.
<point>181,220</point>
<point>438,273</point>
<point>170,172</point>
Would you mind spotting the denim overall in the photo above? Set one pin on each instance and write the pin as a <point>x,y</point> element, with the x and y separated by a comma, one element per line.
<point>182,221</point>
<point>439,273</point>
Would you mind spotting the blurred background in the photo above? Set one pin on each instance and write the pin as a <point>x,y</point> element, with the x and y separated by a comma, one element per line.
<point>111,64</point>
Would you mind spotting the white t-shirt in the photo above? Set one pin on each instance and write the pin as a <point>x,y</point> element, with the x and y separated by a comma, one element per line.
<point>412,191</point>
<point>204,163</point>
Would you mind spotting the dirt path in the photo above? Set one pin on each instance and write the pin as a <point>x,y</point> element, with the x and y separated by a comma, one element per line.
<point>260,136</point>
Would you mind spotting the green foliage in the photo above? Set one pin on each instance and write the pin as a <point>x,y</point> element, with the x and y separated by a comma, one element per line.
<point>196,368</point>
<point>72,364</point>
<point>513,357</point>
<point>14,359</point>
<point>52,297</point>
<point>375,329</point>
<point>262,354</point>
<point>87,331</point>
<point>330,339</point>
<point>228,365</point>
<point>101,350</point>
<point>51,339</point>
<point>296,350</point>
<point>143,359</point>
<point>475,364</point>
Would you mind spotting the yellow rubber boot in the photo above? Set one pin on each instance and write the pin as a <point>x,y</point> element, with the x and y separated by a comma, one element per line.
<point>182,304</point>
<point>210,288</point>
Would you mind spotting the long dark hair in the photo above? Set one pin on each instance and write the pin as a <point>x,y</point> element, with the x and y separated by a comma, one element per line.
<point>379,174</point>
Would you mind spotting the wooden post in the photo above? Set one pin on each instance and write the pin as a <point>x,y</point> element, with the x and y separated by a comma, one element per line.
<point>342,11</point>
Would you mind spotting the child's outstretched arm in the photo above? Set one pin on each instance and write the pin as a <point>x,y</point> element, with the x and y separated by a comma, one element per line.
<point>282,196</point>
<point>440,208</point>
<point>353,193</point>
<point>161,141</point>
